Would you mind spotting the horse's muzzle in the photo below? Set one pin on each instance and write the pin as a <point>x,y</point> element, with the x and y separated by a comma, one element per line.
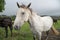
<point>16,28</point>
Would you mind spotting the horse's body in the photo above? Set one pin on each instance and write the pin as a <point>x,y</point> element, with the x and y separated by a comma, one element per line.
<point>40,23</point>
<point>37,23</point>
<point>6,22</point>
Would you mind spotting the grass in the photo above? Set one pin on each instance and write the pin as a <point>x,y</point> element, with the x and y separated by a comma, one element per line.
<point>23,34</point>
<point>57,24</point>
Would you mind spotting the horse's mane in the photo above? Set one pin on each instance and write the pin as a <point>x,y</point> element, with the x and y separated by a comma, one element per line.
<point>30,10</point>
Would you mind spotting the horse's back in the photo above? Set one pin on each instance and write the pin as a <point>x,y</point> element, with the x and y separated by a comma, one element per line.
<point>5,21</point>
<point>48,22</point>
<point>8,21</point>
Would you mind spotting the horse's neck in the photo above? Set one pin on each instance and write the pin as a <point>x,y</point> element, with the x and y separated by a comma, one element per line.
<point>34,14</point>
<point>34,21</point>
<point>33,18</point>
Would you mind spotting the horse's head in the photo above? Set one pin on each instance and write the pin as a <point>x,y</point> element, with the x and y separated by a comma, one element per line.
<point>22,15</point>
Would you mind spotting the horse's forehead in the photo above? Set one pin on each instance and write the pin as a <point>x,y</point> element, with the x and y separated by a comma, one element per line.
<point>24,9</point>
<point>20,10</point>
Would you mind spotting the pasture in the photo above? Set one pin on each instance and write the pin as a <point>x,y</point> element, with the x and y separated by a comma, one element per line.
<point>23,34</point>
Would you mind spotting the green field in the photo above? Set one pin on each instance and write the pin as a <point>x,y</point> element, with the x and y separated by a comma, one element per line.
<point>57,25</point>
<point>23,34</point>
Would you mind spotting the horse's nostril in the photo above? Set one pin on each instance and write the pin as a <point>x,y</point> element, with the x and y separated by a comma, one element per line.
<point>16,27</point>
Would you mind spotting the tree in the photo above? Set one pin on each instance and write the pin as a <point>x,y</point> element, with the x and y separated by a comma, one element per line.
<point>2,4</point>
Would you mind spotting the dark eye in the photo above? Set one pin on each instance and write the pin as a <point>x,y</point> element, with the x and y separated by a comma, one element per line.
<point>23,13</point>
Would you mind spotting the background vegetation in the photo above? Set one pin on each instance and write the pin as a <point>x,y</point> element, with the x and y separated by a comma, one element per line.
<point>2,4</point>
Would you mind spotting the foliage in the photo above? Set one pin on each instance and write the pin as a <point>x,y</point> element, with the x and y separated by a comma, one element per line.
<point>13,17</point>
<point>2,3</point>
<point>57,24</point>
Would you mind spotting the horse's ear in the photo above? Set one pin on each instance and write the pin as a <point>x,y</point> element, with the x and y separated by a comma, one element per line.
<point>28,5</point>
<point>18,5</point>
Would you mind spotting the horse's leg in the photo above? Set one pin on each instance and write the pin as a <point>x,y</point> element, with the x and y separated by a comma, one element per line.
<point>47,32</point>
<point>39,35</point>
<point>34,36</point>
<point>34,33</point>
<point>6,29</point>
<point>11,29</point>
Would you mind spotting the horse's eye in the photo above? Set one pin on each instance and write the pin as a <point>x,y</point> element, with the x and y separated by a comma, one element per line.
<point>22,13</point>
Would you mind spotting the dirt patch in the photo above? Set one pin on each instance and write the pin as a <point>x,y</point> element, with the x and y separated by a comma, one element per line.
<point>51,36</point>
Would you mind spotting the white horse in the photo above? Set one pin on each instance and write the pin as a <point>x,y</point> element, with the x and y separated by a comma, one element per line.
<point>37,23</point>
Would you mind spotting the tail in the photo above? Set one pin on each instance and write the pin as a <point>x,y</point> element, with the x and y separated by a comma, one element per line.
<point>55,31</point>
